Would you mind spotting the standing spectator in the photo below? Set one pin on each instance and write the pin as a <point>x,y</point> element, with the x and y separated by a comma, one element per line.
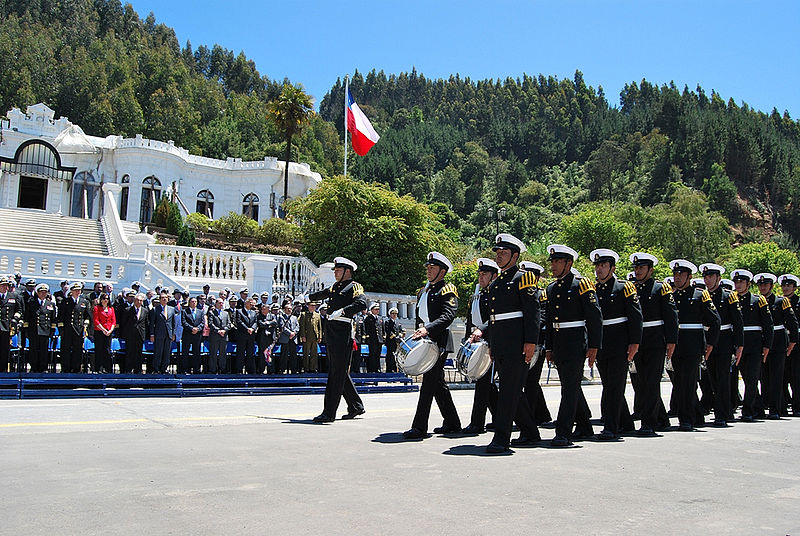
<point>134,329</point>
<point>193,322</point>
<point>247,325</point>
<point>59,295</point>
<point>373,333</point>
<point>288,326</point>
<point>11,314</point>
<point>104,321</point>
<point>310,335</point>
<point>393,331</point>
<point>74,315</point>
<point>95,293</point>
<point>219,324</point>
<point>265,338</point>
<point>323,323</point>
<point>41,319</point>
<point>162,333</point>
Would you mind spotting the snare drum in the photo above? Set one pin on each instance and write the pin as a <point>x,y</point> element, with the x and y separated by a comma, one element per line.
<point>473,360</point>
<point>416,357</point>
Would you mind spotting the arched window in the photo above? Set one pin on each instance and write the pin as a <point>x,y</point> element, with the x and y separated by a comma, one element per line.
<point>151,193</point>
<point>205,203</point>
<point>36,162</point>
<point>123,198</point>
<point>84,191</point>
<point>250,206</point>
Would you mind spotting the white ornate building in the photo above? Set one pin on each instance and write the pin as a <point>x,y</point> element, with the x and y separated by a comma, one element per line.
<point>52,165</point>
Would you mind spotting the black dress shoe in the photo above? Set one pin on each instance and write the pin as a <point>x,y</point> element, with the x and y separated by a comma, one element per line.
<point>685,427</point>
<point>663,427</point>
<point>773,417</point>
<point>496,448</point>
<point>645,432</point>
<point>607,435</point>
<point>747,418</point>
<point>323,418</point>
<point>447,429</point>
<point>414,433</point>
<point>490,427</point>
<point>796,414</point>
<point>472,429</point>
<point>560,441</point>
<point>353,414</point>
<point>523,440</point>
<point>719,423</point>
<point>580,436</point>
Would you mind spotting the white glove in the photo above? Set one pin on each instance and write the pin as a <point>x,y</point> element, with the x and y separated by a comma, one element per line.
<point>336,314</point>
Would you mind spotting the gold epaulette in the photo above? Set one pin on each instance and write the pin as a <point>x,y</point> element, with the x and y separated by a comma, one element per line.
<point>629,290</point>
<point>762,301</point>
<point>585,286</point>
<point>358,290</point>
<point>449,288</point>
<point>543,297</point>
<point>786,304</point>
<point>666,288</point>
<point>705,296</point>
<point>733,297</point>
<point>527,280</point>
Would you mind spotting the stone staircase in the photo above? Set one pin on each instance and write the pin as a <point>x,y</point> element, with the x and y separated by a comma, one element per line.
<point>36,230</point>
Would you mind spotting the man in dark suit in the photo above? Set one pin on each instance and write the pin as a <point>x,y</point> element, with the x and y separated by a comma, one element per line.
<point>219,324</point>
<point>74,316</point>
<point>373,333</point>
<point>247,322</point>
<point>11,311</point>
<point>162,333</point>
<point>288,327</point>
<point>394,331</point>
<point>193,320</point>
<point>134,328</point>
<point>62,293</point>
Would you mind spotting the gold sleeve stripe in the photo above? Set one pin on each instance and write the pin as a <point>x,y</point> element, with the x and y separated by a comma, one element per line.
<point>630,289</point>
<point>585,286</point>
<point>527,280</point>
<point>705,297</point>
<point>733,297</point>
<point>543,297</point>
<point>786,304</point>
<point>358,290</point>
<point>762,301</point>
<point>449,288</point>
<point>666,288</point>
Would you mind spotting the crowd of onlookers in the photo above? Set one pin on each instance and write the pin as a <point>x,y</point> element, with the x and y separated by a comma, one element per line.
<point>75,329</point>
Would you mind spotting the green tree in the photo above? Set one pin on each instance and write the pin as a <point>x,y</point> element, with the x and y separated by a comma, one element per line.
<point>198,222</point>
<point>387,235</point>
<point>174,219</point>
<point>464,276</point>
<point>235,226</point>
<point>186,237</point>
<point>290,112</point>
<point>596,226</point>
<point>721,192</point>
<point>279,232</point>
<point>763,257</point>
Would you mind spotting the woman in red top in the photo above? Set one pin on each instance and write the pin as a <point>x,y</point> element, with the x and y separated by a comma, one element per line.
<point>104,321</point>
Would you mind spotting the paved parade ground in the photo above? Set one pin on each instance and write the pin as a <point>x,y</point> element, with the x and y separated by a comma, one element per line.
<point>255,465</point>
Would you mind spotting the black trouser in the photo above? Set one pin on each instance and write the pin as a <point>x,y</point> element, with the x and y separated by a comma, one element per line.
<point>613,368</point>
<point>217,354</point>
<point>133,354</point>
<point>772,375</point>
<point>102,351</point>
<point>534,393</point>
<point>39,350</point>
<point>5,351</point>
<point>569,354</point>
<point>434,386</point>
<point>736,398</point>
<point>795,381</point>
<point>189,362</point>
<point>485,397</point>
<point>355,360</point>
<point>511,405</point>
<point>288,360</point>
<point>71,350</point>
<point>719,372</point>
<point>391,350</point>
<point>706,390</point>
<point>686,370</point>
<point>649,371</point>
<point>245,353</point>
<point>374,358</point>
<point>339,382</point>
<point>750,365</point>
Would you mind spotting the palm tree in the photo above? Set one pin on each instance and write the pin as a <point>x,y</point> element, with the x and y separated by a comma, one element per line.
<point>291,111</point>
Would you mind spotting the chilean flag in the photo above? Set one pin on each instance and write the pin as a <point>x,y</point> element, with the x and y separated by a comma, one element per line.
<point>361,131</point>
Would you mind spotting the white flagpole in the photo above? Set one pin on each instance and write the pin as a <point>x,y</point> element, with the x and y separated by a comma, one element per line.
<point>346,90</point>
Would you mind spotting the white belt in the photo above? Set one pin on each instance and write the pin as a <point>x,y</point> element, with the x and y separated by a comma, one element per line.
<point>342,319</point>
<point>565,325</point>
<point>723,327</point>
<point>752,328</point>
<point>505,316</point>
<point>779,326</point>
<point>652,323</point>
<point>612,321</point>
<point>690,326</point>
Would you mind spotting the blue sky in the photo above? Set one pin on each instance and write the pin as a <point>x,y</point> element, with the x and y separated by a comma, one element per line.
<point>748,50</point>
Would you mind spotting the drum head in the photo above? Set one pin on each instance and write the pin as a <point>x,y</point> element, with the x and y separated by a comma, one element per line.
<point>479,362</point>
<point>421,358</point>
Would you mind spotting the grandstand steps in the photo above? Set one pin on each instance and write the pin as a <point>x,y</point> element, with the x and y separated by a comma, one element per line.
<point>37,230</point>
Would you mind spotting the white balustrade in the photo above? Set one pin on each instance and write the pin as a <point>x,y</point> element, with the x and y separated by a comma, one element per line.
<point>53,267</point>
<point>199,263</point>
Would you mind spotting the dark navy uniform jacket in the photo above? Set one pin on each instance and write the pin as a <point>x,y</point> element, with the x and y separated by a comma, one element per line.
<point>11,311</point>
<point>659,311</point>
<point>782,315</point>
<point>695,308</point>
<point>571,299</point>
<point>42,317</point>
<point>730,314</point>
<point>442,302</point>
<point>348,296</point>
<point>513,291</point>
<point>74,315</point>
<point>618,299</point>
<point>756,313</point>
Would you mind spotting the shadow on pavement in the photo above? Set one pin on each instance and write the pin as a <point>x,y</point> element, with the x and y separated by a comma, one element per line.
<point>473,450</point>
<point>390,438</point>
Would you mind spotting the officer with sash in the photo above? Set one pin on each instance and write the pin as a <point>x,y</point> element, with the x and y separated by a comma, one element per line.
<point>574,334</point>
<point>783,341</point>
<point>659,335</point>
<point>622,333</point>
<point>345,299</point>
<point>533,389</point>
<point>513,335</point>
<point>730,343</point>
<point>437,303</point>
<point>485,396</point>
<point>696,312</point>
